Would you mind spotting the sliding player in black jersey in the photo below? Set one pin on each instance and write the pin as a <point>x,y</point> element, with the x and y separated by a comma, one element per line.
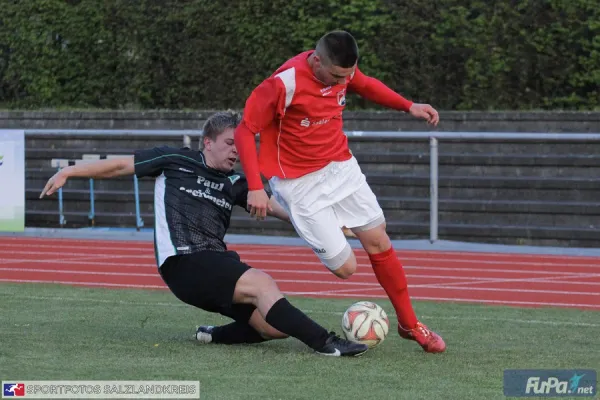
<point>194,195</point>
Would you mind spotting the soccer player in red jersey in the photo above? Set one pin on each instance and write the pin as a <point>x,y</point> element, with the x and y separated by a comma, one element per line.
<point>304,154</point>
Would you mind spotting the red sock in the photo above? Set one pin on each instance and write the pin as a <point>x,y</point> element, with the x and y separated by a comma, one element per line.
<point>390,274</point>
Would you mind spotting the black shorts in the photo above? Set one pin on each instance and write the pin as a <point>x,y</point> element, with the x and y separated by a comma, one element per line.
<point>207,280</point>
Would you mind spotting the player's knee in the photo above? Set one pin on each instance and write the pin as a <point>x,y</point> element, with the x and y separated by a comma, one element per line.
<point>343,265</point>
<point>265,284</point>
<point>375,240</point>
<point>255,284</point>
<point>347,269</point>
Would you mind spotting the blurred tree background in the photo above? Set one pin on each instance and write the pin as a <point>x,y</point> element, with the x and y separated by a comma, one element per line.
<point>209,54</point>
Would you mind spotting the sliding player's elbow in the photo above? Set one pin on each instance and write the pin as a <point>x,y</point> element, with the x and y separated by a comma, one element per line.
<point>125,166</point>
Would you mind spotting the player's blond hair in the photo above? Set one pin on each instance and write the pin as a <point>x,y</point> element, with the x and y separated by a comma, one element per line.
<point>217,123</point>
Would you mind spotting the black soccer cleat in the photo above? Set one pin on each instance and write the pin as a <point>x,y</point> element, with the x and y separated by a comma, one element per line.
<point>337,347</point>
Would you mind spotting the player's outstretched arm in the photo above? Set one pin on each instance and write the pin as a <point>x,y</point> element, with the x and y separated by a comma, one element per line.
<point>99,169</point>
<point>373,89</point>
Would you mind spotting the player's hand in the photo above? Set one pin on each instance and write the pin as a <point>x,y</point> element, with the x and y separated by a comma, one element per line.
<point>258,204</point>
<point>56,182</point>
<point>426,112</point>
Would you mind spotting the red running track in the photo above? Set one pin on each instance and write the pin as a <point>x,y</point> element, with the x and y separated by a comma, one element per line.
<point>509,279</point>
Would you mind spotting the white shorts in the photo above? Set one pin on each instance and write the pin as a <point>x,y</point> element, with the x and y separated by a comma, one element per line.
<point>321,202</point>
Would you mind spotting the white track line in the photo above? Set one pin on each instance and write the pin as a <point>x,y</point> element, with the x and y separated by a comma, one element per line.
<point>275,259</point>
<point>177,304</point>
<point>315,282</point>
<point>279,254</point>
<point>77,272</point>
<point>469,289</point>
<point>64,242</point>
<point>483,260</point>
<point>87,283</point>
<point>110,264</point>
<point>296,293</point>
<point>514,302</point>
<point>465,280</point>
<point>60,254</point>
<point>368,266</point>
<point>548,280</point>
<point>510,321</point>
<point>141,244</point>
<point>462,280</point>
<point>353,290</point>
<point>74,260</point>
<point>559,275</point>
<point>452,299</point>
<point>115,262</point>
<point>556,275</point>
<point>148,248</point>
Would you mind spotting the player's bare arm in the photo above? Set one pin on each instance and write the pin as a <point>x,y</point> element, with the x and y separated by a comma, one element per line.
<point>99,169</point>
<point>277,211</point>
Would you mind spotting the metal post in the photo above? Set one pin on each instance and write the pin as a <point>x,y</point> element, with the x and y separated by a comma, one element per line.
<point>433,187</point>
<point>61,218</point>
<point>139,222</point>
<point>92,215</point>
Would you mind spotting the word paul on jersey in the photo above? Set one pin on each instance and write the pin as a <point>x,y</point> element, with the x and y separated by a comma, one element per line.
<point>206,193</point>
<point>211,185</point>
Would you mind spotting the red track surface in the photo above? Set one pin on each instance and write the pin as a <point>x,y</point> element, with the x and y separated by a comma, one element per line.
<point>510,279</point>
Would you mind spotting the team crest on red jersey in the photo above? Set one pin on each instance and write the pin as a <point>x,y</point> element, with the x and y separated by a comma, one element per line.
<point>341,97</point>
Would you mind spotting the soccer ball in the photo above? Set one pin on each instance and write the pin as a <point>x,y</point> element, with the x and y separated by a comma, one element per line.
<point>365,322</point>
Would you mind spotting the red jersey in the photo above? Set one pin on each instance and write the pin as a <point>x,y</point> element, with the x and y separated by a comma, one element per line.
<point>299,119</point>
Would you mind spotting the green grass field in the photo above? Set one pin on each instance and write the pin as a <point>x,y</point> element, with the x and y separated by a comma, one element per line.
<point>61,333</point>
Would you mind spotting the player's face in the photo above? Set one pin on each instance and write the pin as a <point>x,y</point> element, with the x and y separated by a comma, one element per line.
<point>331,74</point>
<point>222,151</point>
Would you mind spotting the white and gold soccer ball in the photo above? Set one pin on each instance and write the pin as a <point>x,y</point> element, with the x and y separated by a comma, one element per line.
<point>365,322</point>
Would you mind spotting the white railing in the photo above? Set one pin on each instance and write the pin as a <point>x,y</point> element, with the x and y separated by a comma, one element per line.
<point>433,137</point>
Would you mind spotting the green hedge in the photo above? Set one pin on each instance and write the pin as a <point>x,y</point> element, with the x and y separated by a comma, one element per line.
<point>199,54</point>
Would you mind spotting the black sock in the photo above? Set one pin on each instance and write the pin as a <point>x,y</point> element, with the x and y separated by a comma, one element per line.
<point>288,319</point>
<point>236,332</point>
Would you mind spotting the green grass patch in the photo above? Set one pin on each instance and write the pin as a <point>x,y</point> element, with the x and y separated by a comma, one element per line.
<point>52,332</point>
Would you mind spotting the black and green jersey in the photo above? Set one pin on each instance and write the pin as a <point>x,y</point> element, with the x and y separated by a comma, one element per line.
<point>192,202</point>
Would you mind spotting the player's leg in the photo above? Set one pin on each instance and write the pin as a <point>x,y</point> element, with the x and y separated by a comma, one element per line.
<point>323,233</point>
<point>249,326</point>
<point>242,330</point>
<point>226,282</point>
<point>363,215</point>
<point>309,202</point>
<point>259,289</point>
<point>191,278</point>
<point>320,229</point>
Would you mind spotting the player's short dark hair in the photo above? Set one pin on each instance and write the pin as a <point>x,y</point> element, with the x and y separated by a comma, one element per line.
<point>339,48</point>
<point>217,123</point>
